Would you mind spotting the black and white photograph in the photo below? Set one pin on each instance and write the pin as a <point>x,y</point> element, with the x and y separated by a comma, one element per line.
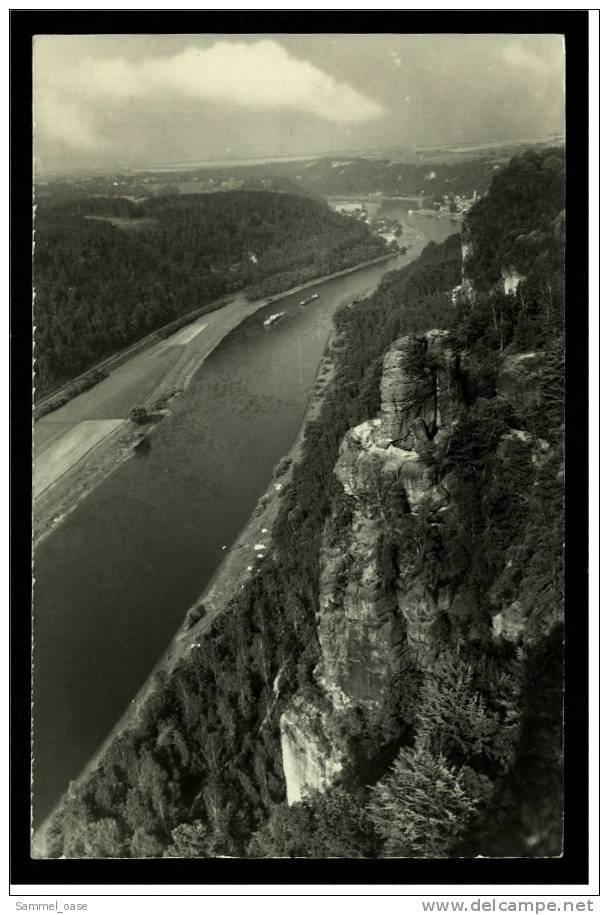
<point>298,478</point>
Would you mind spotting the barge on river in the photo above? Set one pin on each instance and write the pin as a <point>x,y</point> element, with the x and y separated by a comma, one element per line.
<point>311,299</point>
<point>272,318</point>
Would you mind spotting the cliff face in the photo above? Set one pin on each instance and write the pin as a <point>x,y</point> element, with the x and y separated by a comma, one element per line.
<point>520,379</point>
<point>310,761</point>
<point>512,278</point>
<point>370,617</point>
<point>465,288</point>
<point>378,611</point>
<point>449,528</point>
<point>511,275</point>
<point>366,617</point>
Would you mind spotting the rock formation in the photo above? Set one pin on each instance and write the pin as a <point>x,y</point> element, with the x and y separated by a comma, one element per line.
<point>368,620</point>
<point>465,288</point>
<point>520,379</point>
<point>511,279</point>
<point>310,761</point>
<point>377,612</point>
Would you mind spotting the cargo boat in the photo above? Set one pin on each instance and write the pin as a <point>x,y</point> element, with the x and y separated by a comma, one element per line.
<point>311,299</point>
<point>272,318</point>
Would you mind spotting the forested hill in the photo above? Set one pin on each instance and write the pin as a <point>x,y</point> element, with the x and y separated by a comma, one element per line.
<point>427,172</point>
<point>518,224</point>
<point>108,271</point>
<point>404,636</point>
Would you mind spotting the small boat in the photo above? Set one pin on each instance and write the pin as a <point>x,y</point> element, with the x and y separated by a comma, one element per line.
<point>310,299</point>
<point>272,318</point>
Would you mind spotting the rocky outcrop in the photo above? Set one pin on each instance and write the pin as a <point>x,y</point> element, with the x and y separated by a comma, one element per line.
<point>510,623</point>
<point>421,606</point>
<point>419,388</point>
<point>536,446</point>
<point>368,465</point>
<point>467,249</point>
<point>511,279</point>
<point>361,632</point>
<point>378,610</point>
<point>465,289</point>
<point>372,616</point>
<point>520,379</point>
<point>310,761</point>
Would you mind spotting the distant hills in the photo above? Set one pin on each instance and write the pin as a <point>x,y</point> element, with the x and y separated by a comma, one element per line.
<point>427,172</point>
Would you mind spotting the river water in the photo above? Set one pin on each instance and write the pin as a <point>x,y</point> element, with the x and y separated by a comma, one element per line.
<point>114,581</point>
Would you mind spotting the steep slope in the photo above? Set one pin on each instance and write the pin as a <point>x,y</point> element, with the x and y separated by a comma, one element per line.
<point>452,539</point>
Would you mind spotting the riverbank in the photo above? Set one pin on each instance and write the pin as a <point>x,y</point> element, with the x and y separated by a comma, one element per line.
<point>69,483</point>
<point>376,198</point>
<point>240,563</point>
<point>441,214</point>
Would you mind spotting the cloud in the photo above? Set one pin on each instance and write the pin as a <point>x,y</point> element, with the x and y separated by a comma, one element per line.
<point>59,119</point>
<point>259,76</point>
<point>519,56</point>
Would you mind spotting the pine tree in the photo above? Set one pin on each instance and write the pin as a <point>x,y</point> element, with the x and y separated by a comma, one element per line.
<point>424,804</point>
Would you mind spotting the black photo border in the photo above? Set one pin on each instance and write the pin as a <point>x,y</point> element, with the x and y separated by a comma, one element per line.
<point>572,867</point>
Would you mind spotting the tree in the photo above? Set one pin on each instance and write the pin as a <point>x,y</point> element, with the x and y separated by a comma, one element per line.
<point>424,804</point>
<point>139,415</point>
<point>331,825</point>
<point>189,840</point>
<point>454,720</point>
<point>145,845</point>
<point>94,839</point>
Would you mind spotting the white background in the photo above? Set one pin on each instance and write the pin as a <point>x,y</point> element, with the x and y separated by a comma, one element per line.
<point>270,900</point>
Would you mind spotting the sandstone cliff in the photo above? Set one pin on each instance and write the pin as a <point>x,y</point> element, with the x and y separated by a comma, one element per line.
<point>368,619</point>
<point>378,611</point>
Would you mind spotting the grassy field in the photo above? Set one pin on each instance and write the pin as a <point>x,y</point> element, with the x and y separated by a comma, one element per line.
<point>64,452</point>
<point>125,222</point>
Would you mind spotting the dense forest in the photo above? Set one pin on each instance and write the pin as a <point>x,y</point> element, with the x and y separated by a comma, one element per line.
<point>386,176</point>
<point>108,271</point>
<point>464,761</point>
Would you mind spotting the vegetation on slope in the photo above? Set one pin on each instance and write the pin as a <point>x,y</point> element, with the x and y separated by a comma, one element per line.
<point>100,285</point>
<point>479,764</point>
<point>516,222</point>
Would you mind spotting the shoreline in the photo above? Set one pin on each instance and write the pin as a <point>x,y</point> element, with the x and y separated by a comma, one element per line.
<point>61,498</point>
<point>234,570</point>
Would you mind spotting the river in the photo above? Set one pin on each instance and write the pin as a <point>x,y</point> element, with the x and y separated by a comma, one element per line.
<point>113,582</point>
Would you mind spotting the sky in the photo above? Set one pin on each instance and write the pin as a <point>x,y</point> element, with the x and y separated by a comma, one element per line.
<point>116,101</point>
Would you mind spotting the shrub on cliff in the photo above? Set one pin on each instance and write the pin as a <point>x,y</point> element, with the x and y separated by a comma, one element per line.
<point>454,718</point>
<point>424,805</point>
